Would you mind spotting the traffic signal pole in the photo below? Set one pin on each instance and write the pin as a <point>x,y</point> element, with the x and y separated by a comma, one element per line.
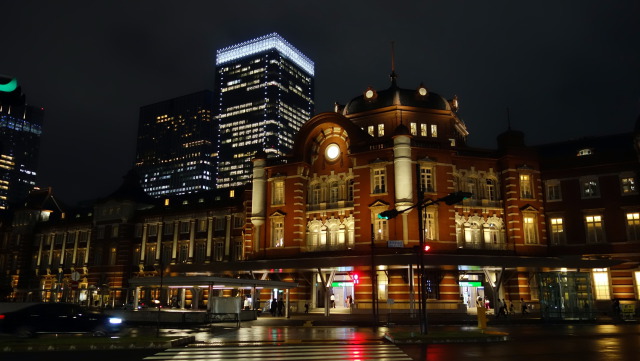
<point>450,199</point>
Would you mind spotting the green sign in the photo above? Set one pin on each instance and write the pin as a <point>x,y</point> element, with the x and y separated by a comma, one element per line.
<point>10,86</point>
<point>342,284</point>
<point>470,284</point>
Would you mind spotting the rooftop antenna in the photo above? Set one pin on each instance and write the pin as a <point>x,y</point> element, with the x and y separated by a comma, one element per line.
<point>393,63</point>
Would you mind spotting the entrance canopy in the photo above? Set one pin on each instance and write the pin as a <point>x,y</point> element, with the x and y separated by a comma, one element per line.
<point>206,281</point>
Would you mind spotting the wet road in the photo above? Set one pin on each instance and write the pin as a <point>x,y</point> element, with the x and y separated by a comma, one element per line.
<point>544,343</point>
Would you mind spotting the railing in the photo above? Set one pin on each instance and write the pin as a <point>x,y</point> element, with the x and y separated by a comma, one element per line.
<point>485,246</point>
<point>329,247</point>
<point>333,205</point>
<point>472,202</point>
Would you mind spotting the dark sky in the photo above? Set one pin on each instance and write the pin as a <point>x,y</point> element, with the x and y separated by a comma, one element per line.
<point>565,69</point>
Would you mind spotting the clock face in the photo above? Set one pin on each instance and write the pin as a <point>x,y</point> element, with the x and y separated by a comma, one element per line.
<point>332,152</point>
<point>422,91</point>
<point>369,94</point>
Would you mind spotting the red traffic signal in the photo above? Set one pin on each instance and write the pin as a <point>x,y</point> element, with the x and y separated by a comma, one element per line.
<point>426,248</point>
<point>356,278</point>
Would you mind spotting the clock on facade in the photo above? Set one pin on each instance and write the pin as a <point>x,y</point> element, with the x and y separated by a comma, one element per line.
<point>332,152</point>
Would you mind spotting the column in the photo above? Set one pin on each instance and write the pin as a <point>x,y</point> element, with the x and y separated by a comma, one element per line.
<point>258,199</point>
<point>209,238</point>
<point>143,246</point>
<point>192,239</point>
<point>227,236</point>
<point>159,243</point>
<point>174,247</point>
<point>75,249</point>
<point>64,248</point>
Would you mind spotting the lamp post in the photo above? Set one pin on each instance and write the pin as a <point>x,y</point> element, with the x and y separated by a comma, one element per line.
<point>451,198</point>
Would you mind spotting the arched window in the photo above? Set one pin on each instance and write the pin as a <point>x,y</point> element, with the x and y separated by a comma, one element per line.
<point>350,190</point>
<point>333,192</point>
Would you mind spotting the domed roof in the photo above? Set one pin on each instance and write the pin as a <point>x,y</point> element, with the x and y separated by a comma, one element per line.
<point>394,95</point>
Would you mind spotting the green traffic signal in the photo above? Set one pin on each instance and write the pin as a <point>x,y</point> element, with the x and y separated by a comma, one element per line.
<point>388,214</point>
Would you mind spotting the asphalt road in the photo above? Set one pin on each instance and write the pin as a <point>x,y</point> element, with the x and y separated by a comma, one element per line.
<point>541,342</point>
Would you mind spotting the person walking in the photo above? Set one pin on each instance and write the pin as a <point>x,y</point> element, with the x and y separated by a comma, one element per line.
<point>523,306</point>
<point>280,307</point>
<point>333,301</point>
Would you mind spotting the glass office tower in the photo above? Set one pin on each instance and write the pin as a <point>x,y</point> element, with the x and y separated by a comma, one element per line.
<point>20,131</point>
<point>265,94</point>
<point>176,151</point>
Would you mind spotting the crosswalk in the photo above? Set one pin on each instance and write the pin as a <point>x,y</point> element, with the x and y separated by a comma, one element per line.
<point>366,352</point>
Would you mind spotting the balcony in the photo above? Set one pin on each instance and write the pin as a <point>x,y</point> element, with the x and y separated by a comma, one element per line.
<point>484,203</point>
<point>329,247</point>
<point>462,245</point>
<point>334,205</point>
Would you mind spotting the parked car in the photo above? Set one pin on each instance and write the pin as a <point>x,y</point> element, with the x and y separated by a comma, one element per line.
<point>56,318</point>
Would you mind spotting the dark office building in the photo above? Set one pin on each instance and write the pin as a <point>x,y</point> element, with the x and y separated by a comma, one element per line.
<point>20,130</point>
<point>265,94</point>
<point>176,151</point>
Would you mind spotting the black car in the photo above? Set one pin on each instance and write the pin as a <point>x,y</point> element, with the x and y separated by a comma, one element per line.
<point>56,318</point>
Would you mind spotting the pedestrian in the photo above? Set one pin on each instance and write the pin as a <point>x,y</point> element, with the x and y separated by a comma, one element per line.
<point>333,301</point>
<point>502,308</point>
<point>479,301</point>
<point>512,310</point>
<point>616,307</point>
<point>280,307</point>
<point>523,306</point>
<point>273,307</point>
<point>306,307</point>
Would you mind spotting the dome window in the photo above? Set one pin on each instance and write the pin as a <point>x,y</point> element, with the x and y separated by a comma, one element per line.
<point>370,94</point>
<point>422,91</point>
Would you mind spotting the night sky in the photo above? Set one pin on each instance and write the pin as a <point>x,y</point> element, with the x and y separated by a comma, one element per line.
<point>565,69</point>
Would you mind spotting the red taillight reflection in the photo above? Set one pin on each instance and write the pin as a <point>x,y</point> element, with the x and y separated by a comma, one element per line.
<point>1,317</point>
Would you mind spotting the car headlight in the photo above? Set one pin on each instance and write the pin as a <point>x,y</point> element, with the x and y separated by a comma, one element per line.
<point>115,320</point>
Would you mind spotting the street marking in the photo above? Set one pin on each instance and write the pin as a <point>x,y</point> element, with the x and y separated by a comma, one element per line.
<point>286,352</point>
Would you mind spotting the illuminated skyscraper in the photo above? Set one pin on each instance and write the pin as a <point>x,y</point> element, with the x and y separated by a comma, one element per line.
<point>20,130</point>
<point>265,94</point>
<point>176,145</point>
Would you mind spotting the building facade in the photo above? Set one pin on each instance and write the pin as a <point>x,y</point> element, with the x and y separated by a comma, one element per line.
<point>555,225</point>
<point>176,147</point>
<point>20,132</point>
<point>265,93</point>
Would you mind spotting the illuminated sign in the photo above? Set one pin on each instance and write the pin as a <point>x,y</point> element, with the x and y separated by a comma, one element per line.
<point>342,284</point>
<point>10,86</point>
<point>470,284</point>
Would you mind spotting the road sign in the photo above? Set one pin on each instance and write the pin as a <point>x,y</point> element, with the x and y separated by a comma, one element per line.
<point>395,244</point>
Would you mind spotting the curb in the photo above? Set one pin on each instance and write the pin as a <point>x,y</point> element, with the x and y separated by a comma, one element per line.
<point>182,341</point>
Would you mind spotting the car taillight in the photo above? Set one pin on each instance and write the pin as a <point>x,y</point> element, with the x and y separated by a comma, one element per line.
<point>1,317</point>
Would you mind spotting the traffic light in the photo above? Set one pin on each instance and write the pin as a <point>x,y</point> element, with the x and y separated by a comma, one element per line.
<point>426,248</point>
<point>388,214</point>
<point>356,279</point>
<point>455,197</point>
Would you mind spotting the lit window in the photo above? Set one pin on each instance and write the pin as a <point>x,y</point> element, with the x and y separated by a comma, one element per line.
<point>601,284</point>
<point>278,192</point>
<point>370,130</point>
<point>590,187</point>
<point>427,179</point>
<point>525,186</point>
<point>380,130</point>
<point>434,130</point>
<point>530,233</point>
<point>583,152</point>
<point>379,181</point>
<point>490,190</point>
<point>413,127</point>
<point>557,231</point>
<point>633,226</point>
<point>277,231</point>
<point>380,229</point>
<point>423,130</point>
<point>628,185</point>
<point>595,232</point>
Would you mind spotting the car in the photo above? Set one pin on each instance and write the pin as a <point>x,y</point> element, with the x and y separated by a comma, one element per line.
<point>37,318</point>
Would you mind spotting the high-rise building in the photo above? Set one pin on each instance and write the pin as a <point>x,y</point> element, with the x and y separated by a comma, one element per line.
<point>265,94</point>
<point>20,130</point>
<point>176,151</point>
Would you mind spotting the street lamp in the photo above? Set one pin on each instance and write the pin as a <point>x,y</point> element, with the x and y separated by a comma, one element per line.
<point>451,198</point>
